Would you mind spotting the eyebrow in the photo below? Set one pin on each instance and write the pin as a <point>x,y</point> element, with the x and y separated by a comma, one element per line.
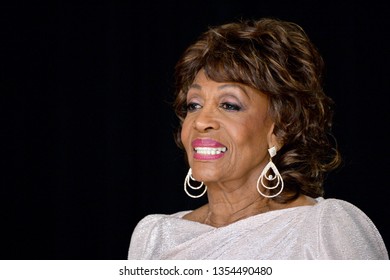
<point>233,86</point>
<point>197,86</point>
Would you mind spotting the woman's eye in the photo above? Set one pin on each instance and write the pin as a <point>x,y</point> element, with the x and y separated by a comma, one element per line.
<point>230,106</point>
<point>192,107</point>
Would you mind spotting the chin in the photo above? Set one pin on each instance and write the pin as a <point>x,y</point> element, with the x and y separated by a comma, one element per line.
<point>205,174</point>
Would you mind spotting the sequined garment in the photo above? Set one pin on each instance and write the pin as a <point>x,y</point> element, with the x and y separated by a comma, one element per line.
<point>330,229</point>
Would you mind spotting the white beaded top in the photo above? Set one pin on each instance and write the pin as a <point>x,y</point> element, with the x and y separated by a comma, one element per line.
<point>330,229</point>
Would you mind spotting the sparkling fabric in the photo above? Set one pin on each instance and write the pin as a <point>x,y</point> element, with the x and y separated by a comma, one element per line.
<point>331,229</point>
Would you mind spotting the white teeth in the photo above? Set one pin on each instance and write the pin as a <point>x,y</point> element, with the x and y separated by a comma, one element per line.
<point>210,151</point>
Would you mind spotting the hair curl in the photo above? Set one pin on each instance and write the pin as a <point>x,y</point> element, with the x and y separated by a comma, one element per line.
<point>277,58</point>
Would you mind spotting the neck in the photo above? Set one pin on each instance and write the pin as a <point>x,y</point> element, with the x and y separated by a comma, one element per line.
<point>224,209</point>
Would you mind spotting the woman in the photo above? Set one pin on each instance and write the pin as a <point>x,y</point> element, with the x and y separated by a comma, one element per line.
<point>255,125</point>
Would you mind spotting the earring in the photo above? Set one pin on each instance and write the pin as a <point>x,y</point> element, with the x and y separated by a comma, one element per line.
<point>267,169</point>
<point>187,182</point>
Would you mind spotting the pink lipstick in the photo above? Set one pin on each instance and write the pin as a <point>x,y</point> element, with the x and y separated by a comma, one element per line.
<point>208,149</point>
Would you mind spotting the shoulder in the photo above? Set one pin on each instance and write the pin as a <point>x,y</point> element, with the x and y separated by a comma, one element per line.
<point>337,209</point>
<point>149,220</point>
<point>338,215</point>
<point>147,233</point>
<point>343,213</point>
<point>346,232</point>
<point>152,220</point>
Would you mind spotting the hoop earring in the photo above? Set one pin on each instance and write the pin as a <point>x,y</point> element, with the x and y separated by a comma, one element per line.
<point>187,182</point>
<point>270,166</point>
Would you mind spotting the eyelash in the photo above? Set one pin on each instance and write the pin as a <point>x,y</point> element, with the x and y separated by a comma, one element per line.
<point>191,107</point>
<point>230,106</point>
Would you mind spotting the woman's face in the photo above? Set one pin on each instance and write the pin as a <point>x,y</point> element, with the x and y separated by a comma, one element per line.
<point>226,132</point>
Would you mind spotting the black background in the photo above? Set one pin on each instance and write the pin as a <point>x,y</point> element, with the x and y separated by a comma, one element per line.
<point>87,126</point>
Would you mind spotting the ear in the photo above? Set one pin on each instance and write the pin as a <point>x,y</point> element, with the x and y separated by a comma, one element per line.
<point>272,139</point>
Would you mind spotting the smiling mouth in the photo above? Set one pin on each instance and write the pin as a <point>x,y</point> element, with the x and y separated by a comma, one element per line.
<point>210,151</point>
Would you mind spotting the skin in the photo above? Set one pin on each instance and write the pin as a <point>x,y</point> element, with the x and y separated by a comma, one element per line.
<point>236,116</point>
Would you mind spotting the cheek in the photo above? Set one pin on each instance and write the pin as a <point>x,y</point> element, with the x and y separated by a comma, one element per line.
<point>252,135</point>
<point>185,134</point>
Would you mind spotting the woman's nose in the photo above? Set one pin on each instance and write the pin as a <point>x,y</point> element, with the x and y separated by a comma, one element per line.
<point>206,120</point>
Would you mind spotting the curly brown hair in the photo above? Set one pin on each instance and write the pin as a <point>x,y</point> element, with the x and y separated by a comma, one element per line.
<point>277,58</point>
